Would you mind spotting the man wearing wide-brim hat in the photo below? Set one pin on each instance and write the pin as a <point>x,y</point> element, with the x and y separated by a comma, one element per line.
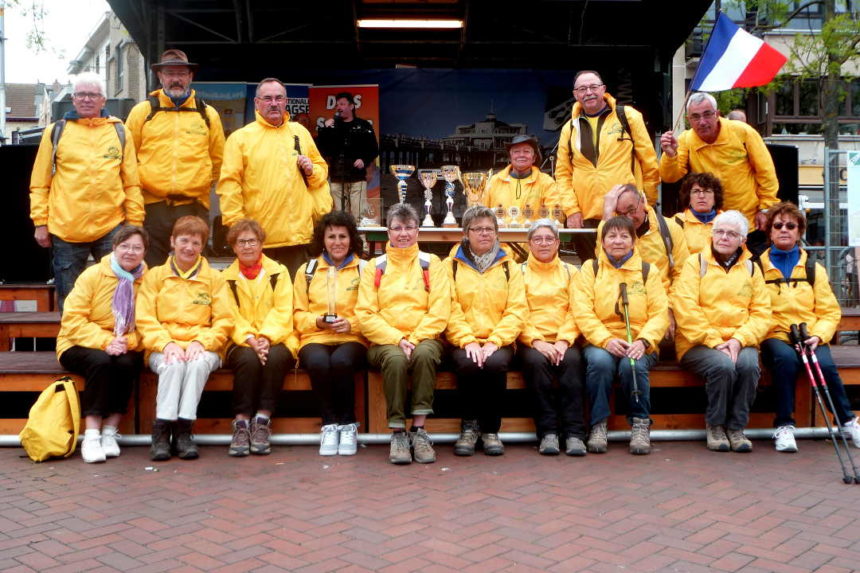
<point>180,145</point>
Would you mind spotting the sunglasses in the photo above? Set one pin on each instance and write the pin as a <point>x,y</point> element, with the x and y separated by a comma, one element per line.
<point>790,226</point>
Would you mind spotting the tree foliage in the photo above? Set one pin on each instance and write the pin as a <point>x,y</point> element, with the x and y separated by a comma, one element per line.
<point>35,12</point>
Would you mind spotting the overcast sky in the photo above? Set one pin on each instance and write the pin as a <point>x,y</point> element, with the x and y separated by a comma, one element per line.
<point>67,25</point>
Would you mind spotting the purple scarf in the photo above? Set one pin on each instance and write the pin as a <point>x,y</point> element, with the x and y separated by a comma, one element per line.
<point>122,304</point>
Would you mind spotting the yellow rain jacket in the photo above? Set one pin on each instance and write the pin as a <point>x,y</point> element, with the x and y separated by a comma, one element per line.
<point>799,301</point>
<point>485,307</point>
<point>652,249</point>
<point>599,313</point>
<point>260,180</point>
<point>88,320</point>
<point>537,190</point>
<point>173,309</point>
<point>176,153</point>
<point>711,309</point>
<point>95,187</point>
<point>738,157</point>
<point>311,302</point>
<point>258,308</point>
<point>697,234</point>
<point>549,295</point>
<point>585,175</point>
<point>401,307</point>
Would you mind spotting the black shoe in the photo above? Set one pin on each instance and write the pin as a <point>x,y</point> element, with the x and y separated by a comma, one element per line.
<point>183,442</point>
<point>160,448</point>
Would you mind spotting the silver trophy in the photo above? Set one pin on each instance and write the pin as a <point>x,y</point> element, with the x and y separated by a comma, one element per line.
<point>402,172</point>
<point>428,178</point>
<point>331,287</point>
<point>451,174</point>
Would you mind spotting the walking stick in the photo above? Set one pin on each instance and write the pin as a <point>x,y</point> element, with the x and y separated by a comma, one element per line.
<point>798,345</point>
<point>804,335</point>
<point>625,305</point>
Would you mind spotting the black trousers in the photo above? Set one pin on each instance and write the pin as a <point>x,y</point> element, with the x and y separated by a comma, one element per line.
<point>482,390</point>
<point>555,414</point>
<point>291,257</point>
<point>159,221</point>
<point>109,379</point>
<point>332,369</point>
<point>586,243</point>
<point>257,387</point>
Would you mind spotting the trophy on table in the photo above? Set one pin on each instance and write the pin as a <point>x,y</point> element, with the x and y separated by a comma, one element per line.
<point>500,216</point>
<point>402,172</point>
<point>543,212</point>
<point>474,183</point>
<point>558,214</point>
<point>331,285</point>
<point>428,178</point>
<point>451,174</point>
<point>528,213</point>
<point>513,217</point>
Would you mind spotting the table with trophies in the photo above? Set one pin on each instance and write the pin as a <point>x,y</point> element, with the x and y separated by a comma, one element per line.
<point>513,221</point>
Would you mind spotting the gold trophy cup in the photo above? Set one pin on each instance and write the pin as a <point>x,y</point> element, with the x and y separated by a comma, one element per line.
<point>402,173</point>
<point>474,183</point>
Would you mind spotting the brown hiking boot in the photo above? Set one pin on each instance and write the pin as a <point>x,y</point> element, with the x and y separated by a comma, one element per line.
<point>739,442</point>
<point>240,445</point>
<point>469,434</point>
<point>160,448</point>
<point>261,429</point>
<point>183,440</point>
<point>493,446</point>
<point>399,453</point>
<point>422,447</point>
<point>717,440</point>
<point>597,441</point>
<point>640,437</point>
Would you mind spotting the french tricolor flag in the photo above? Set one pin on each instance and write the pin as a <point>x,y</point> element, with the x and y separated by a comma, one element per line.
<point>735,58</point>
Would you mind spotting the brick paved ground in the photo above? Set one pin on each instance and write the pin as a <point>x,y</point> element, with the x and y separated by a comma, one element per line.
<point>680,509</point>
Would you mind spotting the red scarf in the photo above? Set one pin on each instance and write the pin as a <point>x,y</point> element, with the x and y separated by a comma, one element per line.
<point>252,271</point>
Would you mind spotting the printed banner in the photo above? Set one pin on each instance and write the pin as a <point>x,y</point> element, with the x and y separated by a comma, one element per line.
<point>854,198</point>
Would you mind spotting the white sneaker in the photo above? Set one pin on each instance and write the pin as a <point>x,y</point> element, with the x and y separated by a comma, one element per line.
<point>852,428</point>
<point>328,440</point>
<point>91,447</point>
<point>109,443</point>
<point>348,440</point>
<point>784,438</point>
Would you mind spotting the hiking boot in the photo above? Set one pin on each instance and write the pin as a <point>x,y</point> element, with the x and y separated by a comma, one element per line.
<point>640,437</point>
<point>348,445</point>
<point>160,448</point>
<point>91,447</point>
<point>261,429</point>
<point>716,438</point>
<point>329,440</point>
<point>597,441</point>
<point>852,430</point>
<point>109,443</point>
<point>574,446</point>
<point>240,446</point>
<point>784,439</point>
<point>493,446</point>
<point>469,434</point>
<point>739,442</point>
<point>399,453</point>
<point>183,440</point>
<point>549,445</point>
<point>422,447</point>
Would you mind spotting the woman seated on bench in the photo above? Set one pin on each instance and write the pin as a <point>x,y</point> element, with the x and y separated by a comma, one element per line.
<point>331,347</point>
<point>602,286</point>
<point>262,304</point>
<point>184,317</point>
<point>98,340</point>
<point>799,292</point>
<point>488,310</point>
<point>547,344</point>
<point>702,196</point>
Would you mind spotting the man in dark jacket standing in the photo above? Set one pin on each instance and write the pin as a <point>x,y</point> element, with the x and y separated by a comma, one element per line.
<point>349,146</point>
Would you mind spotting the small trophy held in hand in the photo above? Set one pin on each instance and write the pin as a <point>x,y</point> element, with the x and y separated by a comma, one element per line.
<point>331,285</point>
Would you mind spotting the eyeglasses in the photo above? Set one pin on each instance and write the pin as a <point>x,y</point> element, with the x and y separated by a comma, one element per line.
<point>701,116</point>
<point>87,95</point>
<point>543,240</point>
<point>482,230</point>
<point>402,229</point>
<point>276,99</point>
<point>701,191</point>
<point>591,88</point>
<point>247,242</point>
<point>129,248</point>
<point>726,233</point>
<point>779,225</point>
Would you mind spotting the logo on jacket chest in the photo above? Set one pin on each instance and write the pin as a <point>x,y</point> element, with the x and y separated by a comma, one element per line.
<point>112,153</point>
<point>203,298</point>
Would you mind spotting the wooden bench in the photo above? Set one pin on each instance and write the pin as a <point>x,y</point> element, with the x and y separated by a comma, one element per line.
<point>27,325</point>
<point>850,322</point>
<point>42,293</point>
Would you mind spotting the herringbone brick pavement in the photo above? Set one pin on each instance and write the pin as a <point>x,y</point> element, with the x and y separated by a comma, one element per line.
<point>680,509</point>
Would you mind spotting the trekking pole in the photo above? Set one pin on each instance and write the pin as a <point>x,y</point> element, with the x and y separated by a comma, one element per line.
<point>804,335</point>
<point>798,345</point>
<point>625,304</point>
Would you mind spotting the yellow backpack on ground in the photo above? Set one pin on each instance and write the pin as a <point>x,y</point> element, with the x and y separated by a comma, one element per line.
<point>52,427</point>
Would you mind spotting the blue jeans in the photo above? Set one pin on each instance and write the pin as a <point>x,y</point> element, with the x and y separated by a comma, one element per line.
<point>730,386</point>
<point>784,364</point>
<point>70,260</point>
<point>601,368</point>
